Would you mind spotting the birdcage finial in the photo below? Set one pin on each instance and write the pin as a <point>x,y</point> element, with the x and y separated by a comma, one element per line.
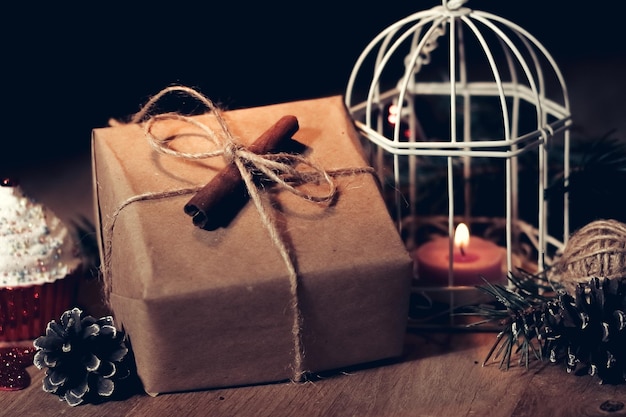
<point>453,4</point>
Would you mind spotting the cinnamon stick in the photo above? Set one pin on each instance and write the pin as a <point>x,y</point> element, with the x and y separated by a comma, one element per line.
<point>224,192</point>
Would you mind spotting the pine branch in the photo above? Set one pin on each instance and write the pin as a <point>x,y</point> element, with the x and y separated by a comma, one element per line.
<point>85,237</point>
<point>587,329</point>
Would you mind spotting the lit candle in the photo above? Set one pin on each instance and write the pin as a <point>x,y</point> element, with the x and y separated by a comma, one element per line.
<point>473,259</point>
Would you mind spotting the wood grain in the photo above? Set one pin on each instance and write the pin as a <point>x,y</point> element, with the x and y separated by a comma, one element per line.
<point>440,374</point>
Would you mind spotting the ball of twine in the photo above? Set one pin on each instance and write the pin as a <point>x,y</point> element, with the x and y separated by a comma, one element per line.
<point>595,250</point>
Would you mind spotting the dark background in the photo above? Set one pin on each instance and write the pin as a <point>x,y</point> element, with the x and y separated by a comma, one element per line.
<point>69,68</point>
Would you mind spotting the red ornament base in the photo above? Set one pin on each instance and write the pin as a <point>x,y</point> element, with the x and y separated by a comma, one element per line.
<point>13,364</point>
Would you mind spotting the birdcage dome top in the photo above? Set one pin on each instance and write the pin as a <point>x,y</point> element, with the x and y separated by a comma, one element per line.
<point>487,81</point>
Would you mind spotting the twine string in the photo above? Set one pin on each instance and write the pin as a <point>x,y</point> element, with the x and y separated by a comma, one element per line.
<point>596,250</point>
<point>279,168</point>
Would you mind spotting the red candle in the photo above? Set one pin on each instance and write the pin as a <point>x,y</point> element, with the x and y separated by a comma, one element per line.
<point>473,259</point>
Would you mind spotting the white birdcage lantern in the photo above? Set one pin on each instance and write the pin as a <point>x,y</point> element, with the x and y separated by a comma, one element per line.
<point>450,97</point>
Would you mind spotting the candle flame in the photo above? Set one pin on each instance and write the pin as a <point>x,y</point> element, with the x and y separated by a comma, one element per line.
<point>461,237</point>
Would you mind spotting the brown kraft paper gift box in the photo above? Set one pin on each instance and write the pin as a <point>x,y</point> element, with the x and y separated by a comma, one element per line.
<point>213,308</point>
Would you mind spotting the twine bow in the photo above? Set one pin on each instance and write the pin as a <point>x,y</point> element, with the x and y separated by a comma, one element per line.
<point>277,167</point>
<point>280,168</point>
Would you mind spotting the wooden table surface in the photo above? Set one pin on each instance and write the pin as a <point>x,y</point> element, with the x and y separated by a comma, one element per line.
<point>440,373</point>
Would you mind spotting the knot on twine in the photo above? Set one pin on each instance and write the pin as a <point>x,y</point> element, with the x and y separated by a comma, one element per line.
<point>597,250</point>
<point>231,150</point>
